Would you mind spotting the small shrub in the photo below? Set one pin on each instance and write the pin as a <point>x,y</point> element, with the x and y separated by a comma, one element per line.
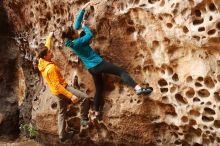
<point>29,130</point>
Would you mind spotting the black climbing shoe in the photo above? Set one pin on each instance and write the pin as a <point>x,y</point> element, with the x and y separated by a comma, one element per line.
<point>67,136</point>
<point>146,90</point>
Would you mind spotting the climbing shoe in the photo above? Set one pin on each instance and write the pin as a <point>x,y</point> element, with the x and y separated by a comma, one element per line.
<point>146,90</point>
<point>84,122</point>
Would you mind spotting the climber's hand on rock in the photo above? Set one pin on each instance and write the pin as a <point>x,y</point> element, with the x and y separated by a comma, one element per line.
<point>74,99</point>
<point>84,23</point>
<point>70,1</point>
<point>86,5</point>
<point>51,34</point>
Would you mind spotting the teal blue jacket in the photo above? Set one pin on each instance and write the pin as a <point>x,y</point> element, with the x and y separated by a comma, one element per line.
<point>80,46</point>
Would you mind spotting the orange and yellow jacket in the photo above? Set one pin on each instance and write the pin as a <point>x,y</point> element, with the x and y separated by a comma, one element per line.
<point>52,75</point>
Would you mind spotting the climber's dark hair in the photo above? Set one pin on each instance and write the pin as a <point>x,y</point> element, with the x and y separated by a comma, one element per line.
<point>82,33</point>
<point>43,53</point>
<point>68,33</point>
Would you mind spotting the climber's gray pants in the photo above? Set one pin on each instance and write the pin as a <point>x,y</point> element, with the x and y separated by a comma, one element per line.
<point>62,108</point>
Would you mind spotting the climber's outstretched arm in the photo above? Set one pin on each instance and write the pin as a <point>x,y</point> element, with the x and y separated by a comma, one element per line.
<point>49,41</point>
<point>79,18</point>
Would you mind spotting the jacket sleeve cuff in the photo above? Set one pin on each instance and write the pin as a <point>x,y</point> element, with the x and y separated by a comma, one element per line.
<point>82,10</point>
<point>69,95</point>
<point>65,92</point>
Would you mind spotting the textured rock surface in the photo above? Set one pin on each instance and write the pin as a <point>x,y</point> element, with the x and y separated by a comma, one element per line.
<point>19,142</point>
<point>171,45</point>
<point>8,102</point>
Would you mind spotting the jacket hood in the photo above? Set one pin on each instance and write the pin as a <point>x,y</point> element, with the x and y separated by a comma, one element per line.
<point>43,64</point>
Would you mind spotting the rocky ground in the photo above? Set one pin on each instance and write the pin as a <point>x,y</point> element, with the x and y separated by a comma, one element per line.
<point>169,45</point>
<point>19,142</point>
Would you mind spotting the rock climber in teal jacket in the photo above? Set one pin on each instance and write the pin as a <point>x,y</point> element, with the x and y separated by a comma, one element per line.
<point>93,62</point>
<point>81,48</point>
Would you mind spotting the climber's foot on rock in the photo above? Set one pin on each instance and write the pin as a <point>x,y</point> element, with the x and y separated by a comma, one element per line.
<point>145,91</point>
<point>84,122</point>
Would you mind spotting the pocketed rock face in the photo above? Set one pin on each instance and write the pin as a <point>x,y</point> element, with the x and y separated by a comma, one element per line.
<point>170,45</point>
